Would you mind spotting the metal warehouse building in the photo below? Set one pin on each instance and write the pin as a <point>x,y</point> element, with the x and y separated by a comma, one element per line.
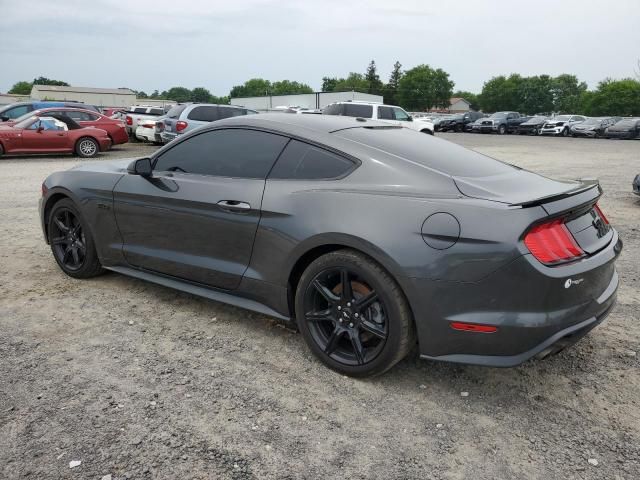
<point>100,97</point>
<point>306,100</point>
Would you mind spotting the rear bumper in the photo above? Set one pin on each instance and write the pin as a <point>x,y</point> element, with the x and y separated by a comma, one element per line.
<point>120,136</point>
<point>168,137</point>
<point>584,133</point>
<point>533,309</point>
<point>105,144</point>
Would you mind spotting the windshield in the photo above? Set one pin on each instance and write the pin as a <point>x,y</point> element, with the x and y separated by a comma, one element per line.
<point>562,118</point>
<point>26,121</point>
<point>498,115</point>
<point>25,116</point>
<point>592,121</point>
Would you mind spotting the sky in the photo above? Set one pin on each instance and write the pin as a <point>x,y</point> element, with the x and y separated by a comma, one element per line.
<point>148,45</point>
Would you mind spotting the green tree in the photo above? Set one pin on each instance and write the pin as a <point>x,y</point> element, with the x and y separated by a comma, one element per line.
<point>501,93</point>
<point>288,87</point>
<point>614,97</point>
<point>391,88</point>
<point>21,88</point>
<point>49,81</point>
<point>535,94</point>
<point>179,94</point>
<point>200,95</point>
<point>219,100</point>
<point>422,88</point>
<point>141,94</point>
<point>155,94</point>
<point>256,87</point>
<point>329,84</point>
<point>374,85</point>
<point>567,93</point>
<point>355,81</point>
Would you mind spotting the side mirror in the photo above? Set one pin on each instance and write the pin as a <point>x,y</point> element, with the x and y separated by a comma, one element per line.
<point>39,129</point>
<point>141,166</point>
<point>4,118</point>
<point>409,118</point>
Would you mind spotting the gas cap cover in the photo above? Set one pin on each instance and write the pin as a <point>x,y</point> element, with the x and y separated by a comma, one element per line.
<point>441,230</point>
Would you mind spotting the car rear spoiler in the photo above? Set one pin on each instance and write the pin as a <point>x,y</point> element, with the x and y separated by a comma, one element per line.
<point>588,188</point>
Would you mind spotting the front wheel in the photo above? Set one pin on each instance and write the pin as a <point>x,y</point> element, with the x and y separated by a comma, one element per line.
<point>87,147</point>
<point>71,241</point>
<point>502,129</point>
<point>565,132</point>
<point>427,131</point>
<point>353,315</point>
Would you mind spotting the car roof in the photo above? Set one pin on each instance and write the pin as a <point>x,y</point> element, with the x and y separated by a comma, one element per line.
<point>292,124</point>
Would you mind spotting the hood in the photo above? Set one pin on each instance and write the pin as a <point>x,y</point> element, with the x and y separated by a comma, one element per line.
<point>514,187</point>
<point>534,122</point>
<point>116,166</point>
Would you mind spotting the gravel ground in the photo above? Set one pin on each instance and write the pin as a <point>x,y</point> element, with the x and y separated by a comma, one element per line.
<point>134,380</point>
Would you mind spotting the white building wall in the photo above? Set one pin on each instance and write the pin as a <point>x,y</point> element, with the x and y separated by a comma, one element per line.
<point>98,99</point>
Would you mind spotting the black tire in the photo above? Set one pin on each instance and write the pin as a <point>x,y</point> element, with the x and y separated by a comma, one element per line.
<point>1,150</point>
<point>378,319</point>
<point>536,131</point>
<point>502,129</point>
<point>64,241</point>
<point>565,132</point>
<point>87,147</point>
<point>459,128</point>
<point>427,131</point>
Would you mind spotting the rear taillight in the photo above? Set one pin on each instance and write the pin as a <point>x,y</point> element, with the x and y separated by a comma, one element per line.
<point>129,120</point>
<point>181,126</point>
<point>552,243</point>
<point>473,327</point>
<point>602,216</point>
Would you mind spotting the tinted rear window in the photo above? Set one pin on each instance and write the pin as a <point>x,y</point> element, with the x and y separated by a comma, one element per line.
<point>176,111</point>
<point>355,110</point>
<point>156,111</point>
<point>428,151</point>
<point>204,114</point>
<point>303,161</point>
<point>335,109</point>
<point>226,112</point>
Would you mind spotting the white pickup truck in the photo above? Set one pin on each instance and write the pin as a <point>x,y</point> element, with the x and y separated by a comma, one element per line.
<point>138,113</point>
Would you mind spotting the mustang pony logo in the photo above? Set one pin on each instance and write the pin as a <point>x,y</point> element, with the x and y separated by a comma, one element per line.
<point>571,281</point>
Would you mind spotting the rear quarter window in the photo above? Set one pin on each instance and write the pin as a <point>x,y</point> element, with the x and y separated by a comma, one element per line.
<point>301,161</point>
<point>355,110</point>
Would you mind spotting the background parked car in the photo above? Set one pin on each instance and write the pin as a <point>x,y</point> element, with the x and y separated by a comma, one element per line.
<point>187,116</point>
<point>146,131</point>
<point>636,185</point>
<point>52,134</point>
<point>377,111</point>
<point>561,124</point>
<point>593,127</point>
<point>532,126</point>
<point>626,128</point>
<point>15,110</point>
<point>500,122</point>
<point>458,122</point>
<point>85,118</point>
<point>141,112</point>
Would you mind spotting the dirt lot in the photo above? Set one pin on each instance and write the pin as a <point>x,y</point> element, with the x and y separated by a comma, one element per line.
<point>139,381</point>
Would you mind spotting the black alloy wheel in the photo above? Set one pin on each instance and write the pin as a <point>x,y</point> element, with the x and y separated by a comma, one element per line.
<point>71,241</point>
<point>353,315</point>
<point>68,240</point>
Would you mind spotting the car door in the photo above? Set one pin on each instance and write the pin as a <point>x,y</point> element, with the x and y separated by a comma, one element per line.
<point>49,138</point>
<point>197,216</point>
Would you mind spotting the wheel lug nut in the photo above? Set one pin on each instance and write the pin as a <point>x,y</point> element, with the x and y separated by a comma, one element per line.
<point>356,315</point>
<point>351,325</point>
<point>339,307</point>
<point>348,304</point>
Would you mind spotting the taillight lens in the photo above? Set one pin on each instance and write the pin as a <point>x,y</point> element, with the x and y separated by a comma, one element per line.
<point>552,243</point>
<point>129,120</point>
<point>602,215</point>
<point>181,126</point>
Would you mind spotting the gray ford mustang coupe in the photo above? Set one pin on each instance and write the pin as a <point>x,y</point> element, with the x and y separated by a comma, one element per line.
<point>368,236</point>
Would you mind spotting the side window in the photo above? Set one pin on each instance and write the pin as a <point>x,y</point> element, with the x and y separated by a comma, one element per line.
<point>301,161</point>
<point>357,110</point>
<point>400,114</point>
<point>385,113</point>
<point>226,112</point>
<point>77,116</point>
<point>203,114</point>
<point>224,153</point>
<point>17,111</point>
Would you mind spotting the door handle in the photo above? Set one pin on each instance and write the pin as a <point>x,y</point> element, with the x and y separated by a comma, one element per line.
<point>234,205</point>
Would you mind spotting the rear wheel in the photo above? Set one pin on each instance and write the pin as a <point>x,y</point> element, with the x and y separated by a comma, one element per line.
<point>87,147</point>
<point>353,315</point>
<point>71,241</point>
<point>1,150</point>
<point>502,129</point>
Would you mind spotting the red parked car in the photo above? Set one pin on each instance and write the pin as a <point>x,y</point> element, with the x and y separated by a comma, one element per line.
<point>85,118</point>
<point>52,134</point>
